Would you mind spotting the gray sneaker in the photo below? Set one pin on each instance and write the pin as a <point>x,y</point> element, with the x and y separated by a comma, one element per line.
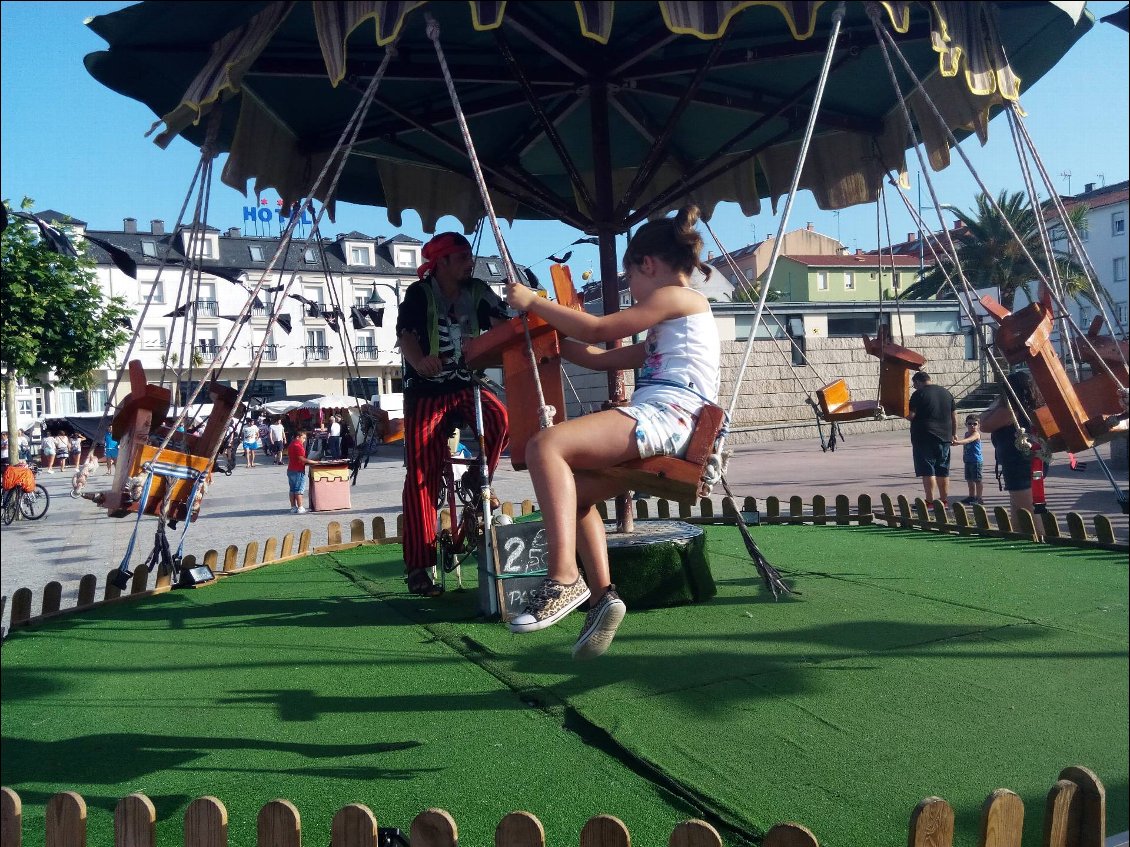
<point>549,603</point>
<point>600,626</point>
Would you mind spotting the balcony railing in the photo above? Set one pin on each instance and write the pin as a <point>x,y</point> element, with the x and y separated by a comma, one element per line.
<point>206,307</point>
<point>207,348</point>
<point>365,351</point>
<point>263,311</point>
<point>316,352</point>
<point>270,352</point>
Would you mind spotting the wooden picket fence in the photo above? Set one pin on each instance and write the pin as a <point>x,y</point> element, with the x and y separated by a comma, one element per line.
<point>1074,816</point>
<point>899,513</point>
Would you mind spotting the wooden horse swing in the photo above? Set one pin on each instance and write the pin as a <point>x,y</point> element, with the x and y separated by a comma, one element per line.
<point>895,366</point>
<point>165,482</point>
<point>1074,416</point>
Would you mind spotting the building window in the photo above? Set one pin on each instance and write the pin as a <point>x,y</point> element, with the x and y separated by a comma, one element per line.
<point>266,389</point>
<point>821,280</point>
<point>310,257</point>
<point>256,252</point>
<point>1119,268</point>
<point>153,338</point>
<point>316,349</point>
<point>364,387</point>
<point>315,293</point>
<point>359,256</point>
<point>366,346</point>
<point>851,326</point>
<point>153,292</point>
<point>849,281</point>
<point>206,343</point>
<point>1118,223</point>
<point>1120,312</point>
<point>206,304</point>
<point>492,269</point>
<point>201,249</point>
<point>406,258</point>
<point>24,409</point>
<point>149,248</point>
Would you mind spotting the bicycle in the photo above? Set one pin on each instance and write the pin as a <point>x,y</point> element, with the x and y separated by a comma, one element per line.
<point>464,530</point>
<point>18,503</point>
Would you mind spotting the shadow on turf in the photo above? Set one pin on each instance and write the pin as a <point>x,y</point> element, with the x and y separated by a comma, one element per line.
<point>123,758</point>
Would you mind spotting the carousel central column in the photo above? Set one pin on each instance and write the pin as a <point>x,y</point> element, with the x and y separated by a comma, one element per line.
<point>606,231</point>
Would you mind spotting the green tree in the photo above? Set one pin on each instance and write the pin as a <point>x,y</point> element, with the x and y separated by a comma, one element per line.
<point>54,320</point>
<point>991,257</point>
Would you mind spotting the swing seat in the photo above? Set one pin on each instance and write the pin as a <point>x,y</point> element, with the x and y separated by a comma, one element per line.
<point>666,476</point>
<point>1084,414</point>
<point>836,403</point>
<point>895,365</point>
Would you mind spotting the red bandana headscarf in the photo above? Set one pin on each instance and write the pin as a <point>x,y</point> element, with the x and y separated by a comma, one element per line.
<point>444,244</point>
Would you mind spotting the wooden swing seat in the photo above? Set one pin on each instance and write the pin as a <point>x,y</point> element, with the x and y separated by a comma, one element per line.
<point>137,423</point>
<point>895,365</point>
<point>1081,414</point>
<point>836,403</point>
<point>668,477</point>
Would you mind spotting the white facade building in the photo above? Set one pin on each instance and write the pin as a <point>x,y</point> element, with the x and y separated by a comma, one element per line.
<point>191,317</point>
<point>1104,239</point>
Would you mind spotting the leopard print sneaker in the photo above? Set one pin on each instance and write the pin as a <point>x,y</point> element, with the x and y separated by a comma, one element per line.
<point>549,603</point>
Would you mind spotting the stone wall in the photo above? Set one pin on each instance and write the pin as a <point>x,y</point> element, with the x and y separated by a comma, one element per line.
<point>773,393</point>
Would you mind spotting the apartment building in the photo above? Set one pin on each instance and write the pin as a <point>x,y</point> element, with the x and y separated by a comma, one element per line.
<point>334,332</point>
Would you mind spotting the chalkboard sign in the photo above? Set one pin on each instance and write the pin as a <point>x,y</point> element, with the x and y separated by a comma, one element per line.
<point>520,565</point>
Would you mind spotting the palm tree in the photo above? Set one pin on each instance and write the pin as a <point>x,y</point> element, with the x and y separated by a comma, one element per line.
<point>991,257</point>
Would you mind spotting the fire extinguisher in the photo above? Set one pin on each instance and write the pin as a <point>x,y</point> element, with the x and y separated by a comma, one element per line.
<point>1039,504</point>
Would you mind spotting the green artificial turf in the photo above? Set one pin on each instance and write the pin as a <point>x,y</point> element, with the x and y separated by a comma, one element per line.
<point>911,665</point>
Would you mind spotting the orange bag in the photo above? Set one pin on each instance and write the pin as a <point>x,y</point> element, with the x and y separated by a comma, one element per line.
<point>19,476</point>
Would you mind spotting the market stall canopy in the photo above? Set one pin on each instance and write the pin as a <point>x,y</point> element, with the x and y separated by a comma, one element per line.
<point>334,401</point>
<point>280,407</point>
<point>597,114</point>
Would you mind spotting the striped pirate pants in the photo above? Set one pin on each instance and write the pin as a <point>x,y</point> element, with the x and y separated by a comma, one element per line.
<point>428,422</point>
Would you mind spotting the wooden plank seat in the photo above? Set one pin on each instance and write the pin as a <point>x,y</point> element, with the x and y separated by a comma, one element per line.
<point>895,365</point>
<point>666,476</point>
<point>836,403</point>
<point>1085,413</point>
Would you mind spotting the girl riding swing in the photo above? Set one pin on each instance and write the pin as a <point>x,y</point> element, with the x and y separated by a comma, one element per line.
<point>679,361</point>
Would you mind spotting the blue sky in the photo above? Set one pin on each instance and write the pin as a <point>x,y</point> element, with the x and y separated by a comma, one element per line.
<point>75,146</point>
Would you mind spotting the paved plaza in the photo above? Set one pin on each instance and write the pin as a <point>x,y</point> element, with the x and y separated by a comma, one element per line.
<point>76,538</point>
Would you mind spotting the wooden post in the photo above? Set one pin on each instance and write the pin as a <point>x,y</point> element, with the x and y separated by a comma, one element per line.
<point>519,829</point>
<point>931,824</point>
<point>279,825</point>
<point>379,528</point>
<point>304,542</point>
<point>790,835</point>
<point>867,510</point>
<point>11,818</point>
<point>231,558</point>
<point>135,821</point>
<point>112,592</point>
<point>354,824</point>
<point>270,550</point>
<point>206,823</point>
<point>1002,819</point>
<point>287,548</point>
<point>357,530</point>
<point>65,819</point>
<point>333,533</point>
<point>52,597</point>
<point>434,828</point>
<point>251,554</point>
<point>87,590</point>
<point>843,510</point>
<point>694,834</point>
<point>819,510</point>
<point>605,831</point>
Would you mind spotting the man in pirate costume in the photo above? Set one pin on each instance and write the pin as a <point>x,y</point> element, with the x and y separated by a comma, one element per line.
<point>445,306</point>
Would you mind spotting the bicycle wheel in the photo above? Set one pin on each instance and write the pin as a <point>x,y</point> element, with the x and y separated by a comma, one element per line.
<point>34,504</point>
<point>10,506</point>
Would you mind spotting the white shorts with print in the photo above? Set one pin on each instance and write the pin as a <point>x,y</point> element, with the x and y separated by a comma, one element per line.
<point>662,429</point>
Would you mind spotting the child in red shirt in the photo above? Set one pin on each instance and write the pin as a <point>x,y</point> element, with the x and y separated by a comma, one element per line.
<point>296,471</point>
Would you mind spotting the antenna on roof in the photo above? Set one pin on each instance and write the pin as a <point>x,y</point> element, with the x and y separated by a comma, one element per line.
<point>1067,175</point>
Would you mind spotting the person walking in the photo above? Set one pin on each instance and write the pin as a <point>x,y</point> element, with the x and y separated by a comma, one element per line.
<point>444,306</point>
<point>277,436</point>
<point>76,448</point>
<point>335,437</point>
<point>62,450</point>
<point>250,442</point>
<point>296,471</point>
<point>47,451</point>
<point>933,424</point>
<point>111,454</point>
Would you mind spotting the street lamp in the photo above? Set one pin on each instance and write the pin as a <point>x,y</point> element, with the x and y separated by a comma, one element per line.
<point>375,298</point>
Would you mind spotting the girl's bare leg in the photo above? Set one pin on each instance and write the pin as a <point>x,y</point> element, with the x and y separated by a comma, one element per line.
<point>595,441</point>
